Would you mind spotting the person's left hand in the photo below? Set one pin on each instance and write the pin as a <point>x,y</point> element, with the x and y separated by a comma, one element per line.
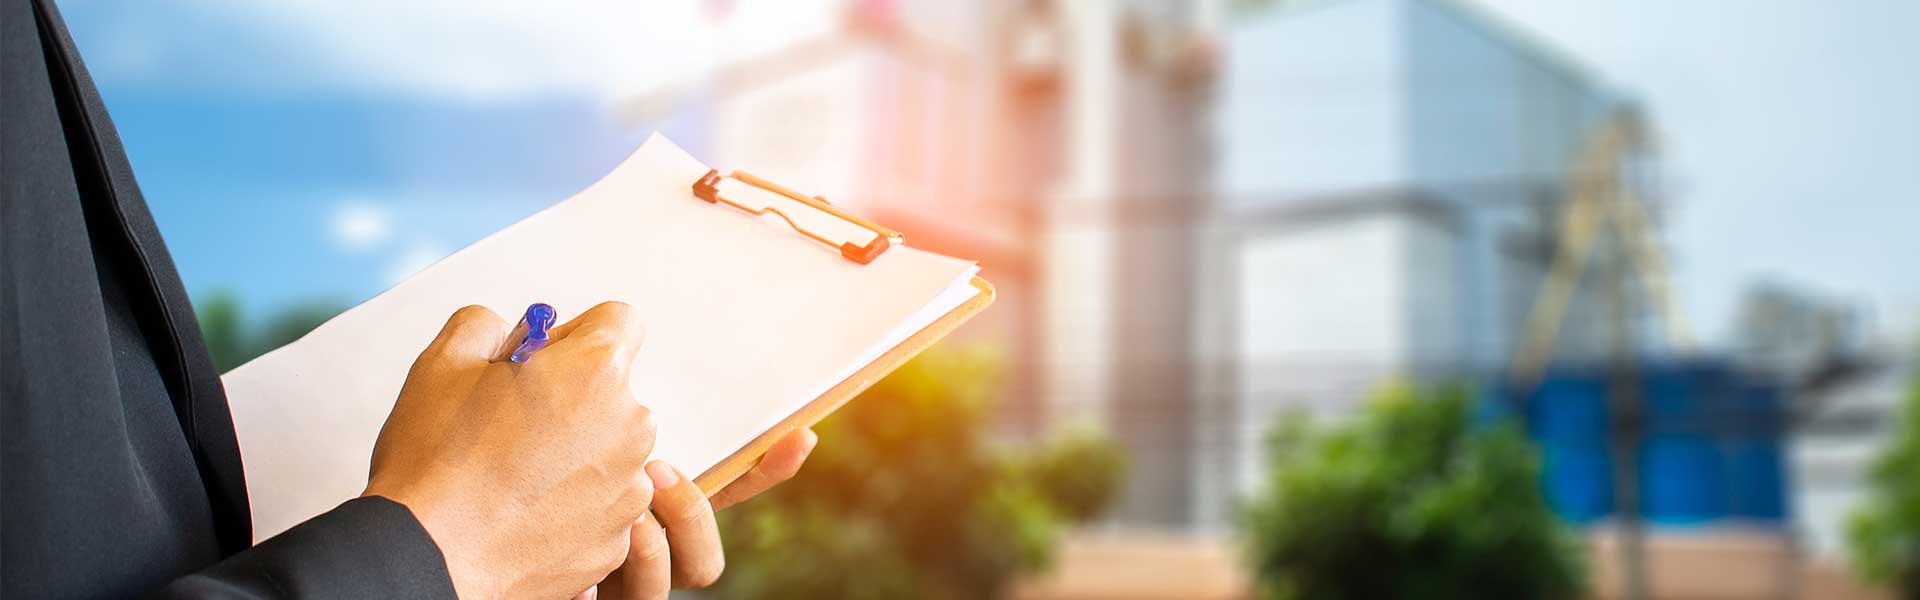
<point>677,544</point>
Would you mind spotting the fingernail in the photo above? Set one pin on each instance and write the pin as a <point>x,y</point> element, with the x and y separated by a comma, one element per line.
<point>663,475</point>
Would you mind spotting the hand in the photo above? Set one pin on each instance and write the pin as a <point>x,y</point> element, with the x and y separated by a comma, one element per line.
<point>529,476</point>
<point>677,545</point>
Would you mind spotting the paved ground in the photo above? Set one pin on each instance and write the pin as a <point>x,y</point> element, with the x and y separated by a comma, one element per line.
<point>1716,565</point>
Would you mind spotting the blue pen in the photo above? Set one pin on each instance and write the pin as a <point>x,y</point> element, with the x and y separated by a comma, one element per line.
<point>539,320</point>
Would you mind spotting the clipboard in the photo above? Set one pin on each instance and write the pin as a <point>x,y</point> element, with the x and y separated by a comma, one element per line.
<point>744,459</point>
<point>844,290</point>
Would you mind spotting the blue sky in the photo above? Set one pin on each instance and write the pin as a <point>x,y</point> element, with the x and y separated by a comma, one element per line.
<point>286,173</point>
<point>284,199</point>
<point>322,148</point>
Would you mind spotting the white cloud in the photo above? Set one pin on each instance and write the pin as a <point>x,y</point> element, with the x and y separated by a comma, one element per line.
<point>359,226</point>
<point>418,255</point>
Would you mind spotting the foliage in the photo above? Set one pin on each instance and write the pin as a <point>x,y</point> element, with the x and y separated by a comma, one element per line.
<point>1409,499</point>
<point>906,497</point>
<point>223,330</point>
<point>1884,535</point>
<point>232,342</point>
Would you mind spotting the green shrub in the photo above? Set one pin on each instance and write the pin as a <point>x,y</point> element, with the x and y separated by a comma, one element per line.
<point>1884,535</point>
<point>1409,499</point>
<point>907,497</point>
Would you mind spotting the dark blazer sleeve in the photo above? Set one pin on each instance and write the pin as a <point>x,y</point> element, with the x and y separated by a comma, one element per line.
<point>366,548</point>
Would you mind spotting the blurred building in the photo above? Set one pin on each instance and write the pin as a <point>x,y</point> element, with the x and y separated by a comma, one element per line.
<point>1390,184</point>
<point>1847,392</point>
<point>1844,428</point>
<point>1196,218</point>
<point>1308,201</point>
<point>1794,333</point>
<point>1852,392</point>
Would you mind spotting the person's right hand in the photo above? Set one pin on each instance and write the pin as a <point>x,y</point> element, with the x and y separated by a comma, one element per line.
<point>528,476</point>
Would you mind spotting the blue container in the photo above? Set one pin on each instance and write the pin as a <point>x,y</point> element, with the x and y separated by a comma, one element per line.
<point>1756,466</point>
<point>1683,398</point>
<point>1712,447</point>
<point>1757,481</point>
<point>1569,408</point>
<point>1683,479</point>
<point>1577,479</point>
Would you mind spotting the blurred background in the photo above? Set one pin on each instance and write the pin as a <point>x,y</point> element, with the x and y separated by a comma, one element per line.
<point>1309,298</point>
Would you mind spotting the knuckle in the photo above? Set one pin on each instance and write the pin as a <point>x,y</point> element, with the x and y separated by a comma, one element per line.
<point>434,362</point>
<point>608,361</point>
<point>612,309</point>
<point>642,492</point>
<point>471,314</point>
<point>649,542</point>
<point>428,362</point>
<point>601,359</point>
<point>615,321</point>
<point>638,498</point>
<point>644,425</point>
<point>615,554</point>
<point>633,455</point>
<point>685,508</point>
<point>639,436</point>
<point>635,330</point>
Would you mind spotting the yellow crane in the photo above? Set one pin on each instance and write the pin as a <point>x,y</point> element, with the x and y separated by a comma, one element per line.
<point>1602,192</point>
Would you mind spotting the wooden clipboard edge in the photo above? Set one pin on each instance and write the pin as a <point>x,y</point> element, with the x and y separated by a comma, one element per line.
<point>737,464</point>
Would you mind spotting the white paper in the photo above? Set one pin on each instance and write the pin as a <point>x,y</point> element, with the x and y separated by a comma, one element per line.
<point>747,321</point>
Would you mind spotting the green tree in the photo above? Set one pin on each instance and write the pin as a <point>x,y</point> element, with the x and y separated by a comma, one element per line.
<point>907,497</point>
<point>232,342</point>
<point>1409,499</point>
<point>223,329</point>
<point>1884,535</point>
<point>289,324</point>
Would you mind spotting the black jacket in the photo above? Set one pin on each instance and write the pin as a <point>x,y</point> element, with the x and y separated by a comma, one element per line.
<point>121,476</point>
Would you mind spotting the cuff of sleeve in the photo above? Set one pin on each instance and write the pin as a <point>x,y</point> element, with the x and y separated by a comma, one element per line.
<point>366,548</point>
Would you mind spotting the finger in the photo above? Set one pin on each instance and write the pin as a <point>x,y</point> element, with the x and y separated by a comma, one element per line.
<point>779,464</point>
<point>693,536</point>
<point>600,315</point>
<point>473,333</point>
<point>609,323</point>
<point>592,593</point>
<point>511,342</point>
<point>648,572</point>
